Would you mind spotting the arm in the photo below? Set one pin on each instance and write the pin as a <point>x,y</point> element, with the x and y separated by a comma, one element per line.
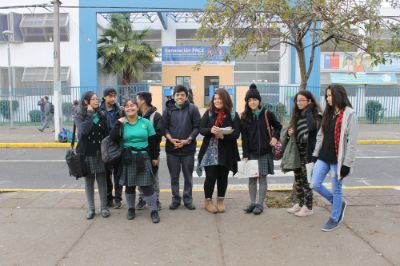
<point>318,145</point>
<point>159,127</point>
<point>85,124</point>
<point>116,132</point>
<point>236,129</point>
<point>313,122</point>
<point>245,142</point>
<point>196,123</point>
<point>154,148</point>
<point>275,124</point>
<point>205,128</point>
<point>166,122</point>
<point>352,131</point>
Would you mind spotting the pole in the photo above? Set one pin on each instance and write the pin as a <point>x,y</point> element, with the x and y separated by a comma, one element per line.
<point>57,80</point>
<point>10,83</point>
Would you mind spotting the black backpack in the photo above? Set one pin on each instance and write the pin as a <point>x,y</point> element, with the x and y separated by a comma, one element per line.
<point>51,108</point>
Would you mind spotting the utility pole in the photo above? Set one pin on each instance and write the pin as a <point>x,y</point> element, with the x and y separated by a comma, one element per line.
<point>57,97</point>
<point>9,34</point>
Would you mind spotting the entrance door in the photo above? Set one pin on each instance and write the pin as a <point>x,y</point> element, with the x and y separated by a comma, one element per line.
<point>208,81</point>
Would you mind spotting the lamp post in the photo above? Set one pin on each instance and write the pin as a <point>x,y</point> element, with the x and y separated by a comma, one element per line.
<point>9,34</point>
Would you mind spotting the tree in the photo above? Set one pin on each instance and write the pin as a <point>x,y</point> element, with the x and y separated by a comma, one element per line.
<point>123,50</point>
<point>252,24</point>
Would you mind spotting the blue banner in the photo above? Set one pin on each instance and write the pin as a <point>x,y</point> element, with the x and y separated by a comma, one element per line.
<point>191,55</point>
<point>363,78</point>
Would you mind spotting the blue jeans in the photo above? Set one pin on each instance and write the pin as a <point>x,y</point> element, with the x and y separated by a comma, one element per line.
<point>321,169</point>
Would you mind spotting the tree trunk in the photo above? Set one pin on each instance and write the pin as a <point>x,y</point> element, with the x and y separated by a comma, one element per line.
<point>302,65</point>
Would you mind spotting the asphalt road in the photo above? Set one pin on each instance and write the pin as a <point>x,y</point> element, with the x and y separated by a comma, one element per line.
<point>376,165</point>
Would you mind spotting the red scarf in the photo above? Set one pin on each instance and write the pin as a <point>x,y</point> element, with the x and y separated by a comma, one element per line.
<point>220,118</point>
<point>338,127</point>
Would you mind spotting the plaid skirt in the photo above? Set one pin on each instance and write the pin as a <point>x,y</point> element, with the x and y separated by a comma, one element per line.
<point>132,177</point>
<point>95,164</point>
<point>265,163</point>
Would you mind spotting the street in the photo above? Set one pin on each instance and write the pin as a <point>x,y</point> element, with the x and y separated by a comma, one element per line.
<point>46,169</point>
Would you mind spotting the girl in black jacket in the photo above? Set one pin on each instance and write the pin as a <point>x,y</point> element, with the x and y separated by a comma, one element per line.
<point>257,145</point>
<point>219,152</point>
<point>305,123</point>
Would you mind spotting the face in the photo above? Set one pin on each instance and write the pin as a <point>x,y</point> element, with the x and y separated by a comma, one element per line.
<point>130,109</point>
<point>110,99</point>
<point>329,99</point>
<point>302,102</point>
<point>94,101</point>
<point>139,101</point>
<point>180,98</point>
<point>253,103</point>
<point>218,103</point>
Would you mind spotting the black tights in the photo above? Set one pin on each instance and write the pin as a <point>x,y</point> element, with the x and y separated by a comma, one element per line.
<point>219,174</point>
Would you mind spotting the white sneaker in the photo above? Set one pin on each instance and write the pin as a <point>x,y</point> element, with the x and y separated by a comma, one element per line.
<point>294,209</point>
<point>304,212</point>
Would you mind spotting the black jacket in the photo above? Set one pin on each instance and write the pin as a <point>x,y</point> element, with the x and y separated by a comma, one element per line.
<point>228,153</point>
<point>158,122</point>
<point>119,112</point>
<point>255,137</point>
<point>181,123</point>
<point>313,124</point>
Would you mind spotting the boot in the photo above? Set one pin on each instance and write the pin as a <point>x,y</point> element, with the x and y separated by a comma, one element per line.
<point>221,204</point>
<point>209,206</point>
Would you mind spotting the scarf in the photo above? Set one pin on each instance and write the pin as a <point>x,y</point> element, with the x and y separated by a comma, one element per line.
<point>220,118</point>
<point>338,127</point>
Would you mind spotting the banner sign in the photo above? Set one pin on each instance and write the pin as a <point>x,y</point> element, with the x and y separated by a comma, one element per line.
<point>191,55</point>
<point>363,78</point>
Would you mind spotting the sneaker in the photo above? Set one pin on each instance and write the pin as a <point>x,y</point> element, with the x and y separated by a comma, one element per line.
<point>250,208</point>
<point>330,225</point>
<point>344,206</point>
<point>294,209</point>
<point>258,209</point>
<point>141,204</point>
<point>154,217</point>
<point>304,211</point>
<point>190,206</point>
<point>105,213</point>
<point>90,214</point>
<point>159,206</point>
<point>41,130</point>
<point>174,205</point>
<point>117,205</point>
<point>131,214</point>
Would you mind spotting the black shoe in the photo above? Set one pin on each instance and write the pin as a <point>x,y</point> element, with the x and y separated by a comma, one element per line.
<point>90,214</point>
<point>174,205</point>
<point>344,206</point>
<point>249,208</point>
<point>159,206</point>
<point>117,205</point>
<point>110,204</point>
<point>131,214</point>
<point>154,217</point>
<point>41,130</point>
<point>141,204</point>
<point>258,209</point>
<point>105,213</point>
<point>190,206</point>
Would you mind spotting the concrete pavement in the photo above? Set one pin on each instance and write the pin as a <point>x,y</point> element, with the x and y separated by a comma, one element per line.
<point>49,228</point>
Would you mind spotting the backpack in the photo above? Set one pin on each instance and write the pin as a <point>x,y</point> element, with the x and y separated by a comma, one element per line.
<point>51,108</point>
<point>65,135</point>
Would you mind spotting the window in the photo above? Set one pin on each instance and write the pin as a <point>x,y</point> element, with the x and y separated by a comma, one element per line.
<point>187,37</point>
<point>10,22</point>
<point>39,27</point>
<point>43,74</point>
<point>183,80</point>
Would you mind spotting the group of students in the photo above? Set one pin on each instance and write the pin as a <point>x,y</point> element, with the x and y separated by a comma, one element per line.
<point>328,139</point>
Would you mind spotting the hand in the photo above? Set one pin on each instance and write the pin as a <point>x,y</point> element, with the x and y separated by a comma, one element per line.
<point>181,143</point>
<point>219,136</point>
<point>314,159</point>
<point>214,130</point>
<point>154,162</point>
<point>174,141</point>
<point>122,120</point>
<point>290,132</point>
<point>344,171</point>
<point>273,142</point>
<point>90,108</point>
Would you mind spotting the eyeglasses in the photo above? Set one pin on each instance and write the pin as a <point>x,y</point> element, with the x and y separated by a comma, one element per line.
<point>94,99</point>
<point>299,101</point>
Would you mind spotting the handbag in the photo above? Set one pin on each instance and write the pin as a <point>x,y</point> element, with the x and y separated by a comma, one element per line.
<point>277,150</point>
<point>76,161</point>
<point>111,151</point>
<point>247,169</point>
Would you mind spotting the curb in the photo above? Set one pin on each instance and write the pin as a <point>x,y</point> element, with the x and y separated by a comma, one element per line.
<point>67,145</point>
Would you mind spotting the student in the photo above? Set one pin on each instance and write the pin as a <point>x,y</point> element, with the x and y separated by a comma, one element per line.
<point>113,112</point>
<point>182,121</point>
<point>218,153</point>
<point>92,128</point>
<point>335,151</point>
<point>48,114</point>
<point>257,145</point>
<point>148,111</point>
<point>304,125</point>
<point>141,153</point>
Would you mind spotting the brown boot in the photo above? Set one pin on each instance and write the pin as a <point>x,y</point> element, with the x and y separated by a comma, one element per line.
<point>221,204</point>
<point>209,206</point>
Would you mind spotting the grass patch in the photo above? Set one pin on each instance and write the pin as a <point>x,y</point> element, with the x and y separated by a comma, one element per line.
<point>279,199</point>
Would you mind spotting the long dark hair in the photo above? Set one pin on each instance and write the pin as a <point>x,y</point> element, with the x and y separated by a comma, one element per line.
<point>247,115</point>
<point>226,100</point>
<point>83,105</point>
<point>339,99</point>
<point>297,112</point>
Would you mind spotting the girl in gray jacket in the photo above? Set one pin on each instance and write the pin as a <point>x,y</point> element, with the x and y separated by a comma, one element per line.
<point>335,151</point>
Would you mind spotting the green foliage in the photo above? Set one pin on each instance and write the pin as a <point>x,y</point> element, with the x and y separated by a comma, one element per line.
<point>5,107</point>
<point>278,109</point>
<point>373,111</point>
<point>34,116</point>
<point>123,50</point>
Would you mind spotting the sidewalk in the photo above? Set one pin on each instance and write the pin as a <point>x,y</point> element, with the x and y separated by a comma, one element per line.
<point>49,228</point>
<point>30,134</point>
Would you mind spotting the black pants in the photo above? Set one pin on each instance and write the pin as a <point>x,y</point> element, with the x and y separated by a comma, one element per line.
<point>117,187</point>
<point>146,190</point>
<point>219,174</point>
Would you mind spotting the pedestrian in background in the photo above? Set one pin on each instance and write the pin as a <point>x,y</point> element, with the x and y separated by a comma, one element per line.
<point>335,151</point>
<point>219,152</point>
<point>113,112</point>
<point>42,104</point>
<point>75,108</point>
<point>48,114</point>
<point>141,153</point>
<point>304,125</point>
<point>257,145</point>
<point>92,128</point>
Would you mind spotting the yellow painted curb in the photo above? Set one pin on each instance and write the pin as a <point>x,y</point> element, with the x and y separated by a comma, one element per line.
<point>67,145</point>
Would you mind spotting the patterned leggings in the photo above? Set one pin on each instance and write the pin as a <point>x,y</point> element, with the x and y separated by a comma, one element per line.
<point>303,191</point>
